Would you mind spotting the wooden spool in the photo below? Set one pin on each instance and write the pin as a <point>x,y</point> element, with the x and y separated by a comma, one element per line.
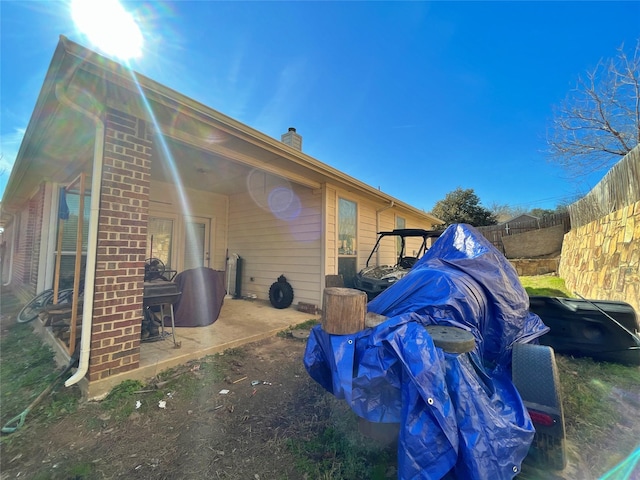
<point>344,310</point>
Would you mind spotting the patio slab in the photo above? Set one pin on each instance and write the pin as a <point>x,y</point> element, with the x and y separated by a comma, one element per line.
<point>240,322</point>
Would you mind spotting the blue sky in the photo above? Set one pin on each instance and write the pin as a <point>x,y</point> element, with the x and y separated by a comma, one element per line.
<point>414,98</point>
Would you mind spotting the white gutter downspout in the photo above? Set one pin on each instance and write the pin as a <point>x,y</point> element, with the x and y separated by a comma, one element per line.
<point>13,243</point>
<point>378,212</point>
<point>92,242</point>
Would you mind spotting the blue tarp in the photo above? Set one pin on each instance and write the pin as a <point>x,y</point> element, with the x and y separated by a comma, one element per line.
<point>459,415</point>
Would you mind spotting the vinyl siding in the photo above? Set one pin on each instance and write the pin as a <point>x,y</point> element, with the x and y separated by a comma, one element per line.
<point>414,244</point>
<point>367,231</point>
<point>287,242</point>
<point>331,249</point>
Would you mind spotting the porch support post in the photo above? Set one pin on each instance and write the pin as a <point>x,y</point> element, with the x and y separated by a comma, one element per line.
<point>122,237</point>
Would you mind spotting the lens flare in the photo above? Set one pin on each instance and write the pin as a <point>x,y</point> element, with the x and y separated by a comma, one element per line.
<point>108,26</point>
<point>284,203</point>
<point>629,469</point>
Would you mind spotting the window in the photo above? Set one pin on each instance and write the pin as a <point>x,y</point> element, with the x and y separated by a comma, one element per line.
<point>400,223</point>
<point>160,239</point>
<point>347,213</point>
<point>347,240</point>
<point>69,234</point>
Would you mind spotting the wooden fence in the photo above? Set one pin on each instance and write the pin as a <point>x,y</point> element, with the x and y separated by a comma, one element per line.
<point>617,189</point>
<point>494,233</point>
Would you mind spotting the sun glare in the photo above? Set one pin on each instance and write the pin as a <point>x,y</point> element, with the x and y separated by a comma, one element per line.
<point>108,26</point>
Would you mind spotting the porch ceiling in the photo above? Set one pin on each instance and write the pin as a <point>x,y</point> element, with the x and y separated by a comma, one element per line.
<point>197,169</point>
<point>222,166</point>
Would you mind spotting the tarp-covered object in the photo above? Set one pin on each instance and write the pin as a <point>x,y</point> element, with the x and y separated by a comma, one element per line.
<point>459,414</point>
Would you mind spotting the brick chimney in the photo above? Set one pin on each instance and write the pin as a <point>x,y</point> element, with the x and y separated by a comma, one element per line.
<point>292,139</point>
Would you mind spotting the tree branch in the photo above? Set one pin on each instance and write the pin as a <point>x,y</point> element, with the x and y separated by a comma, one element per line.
<point>599,121</point>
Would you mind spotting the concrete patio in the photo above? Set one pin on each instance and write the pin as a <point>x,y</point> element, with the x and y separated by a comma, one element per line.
<point>240,322</point>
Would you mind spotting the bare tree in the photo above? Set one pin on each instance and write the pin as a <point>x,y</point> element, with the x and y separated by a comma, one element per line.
<point>599,121</point>
<point>503,212</point>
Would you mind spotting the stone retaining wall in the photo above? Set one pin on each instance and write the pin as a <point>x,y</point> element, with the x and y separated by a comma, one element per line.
<point>601,260</point>
<point>535,266</point>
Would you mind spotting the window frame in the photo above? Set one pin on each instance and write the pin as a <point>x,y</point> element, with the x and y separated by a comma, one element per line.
<point>401,223</point>
<point>354,252</point>
<point>174,236</point>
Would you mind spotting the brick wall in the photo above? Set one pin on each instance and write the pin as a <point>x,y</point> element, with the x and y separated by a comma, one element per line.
<point>34,235</point>
<point>28,223</point>
<point>21,253</point>
<point>601,260</point>
<point>122,233</point>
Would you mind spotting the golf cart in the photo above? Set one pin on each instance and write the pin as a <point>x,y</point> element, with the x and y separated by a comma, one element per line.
<point>373,279</point>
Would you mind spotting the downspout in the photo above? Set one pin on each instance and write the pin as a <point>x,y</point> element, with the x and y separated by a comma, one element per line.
<point>378,212</point>
<point>92,242</point>
<point>13,243</point>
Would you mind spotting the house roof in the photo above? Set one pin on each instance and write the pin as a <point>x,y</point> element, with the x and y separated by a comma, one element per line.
<point>59,139</point>
<point>525,217</point>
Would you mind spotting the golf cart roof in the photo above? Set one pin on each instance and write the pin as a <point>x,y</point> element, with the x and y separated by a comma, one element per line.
<point>412,232</point>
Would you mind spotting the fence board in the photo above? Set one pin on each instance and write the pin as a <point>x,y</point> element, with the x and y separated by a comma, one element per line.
<point>617,189</point>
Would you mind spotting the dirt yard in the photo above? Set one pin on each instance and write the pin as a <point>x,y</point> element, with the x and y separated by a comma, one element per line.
<point>186,427</point>
<point>200,432</point>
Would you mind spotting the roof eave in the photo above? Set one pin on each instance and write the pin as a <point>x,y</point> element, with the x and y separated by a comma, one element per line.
<point>239,129</point>
<point>67,47</point>
<point>10,197</point>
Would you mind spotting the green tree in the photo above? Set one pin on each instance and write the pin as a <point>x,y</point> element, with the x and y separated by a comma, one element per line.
<point>599,121</point>
<point>463,206</point>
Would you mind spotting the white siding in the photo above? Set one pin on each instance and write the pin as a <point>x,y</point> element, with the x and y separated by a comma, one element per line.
<point>286,241</point>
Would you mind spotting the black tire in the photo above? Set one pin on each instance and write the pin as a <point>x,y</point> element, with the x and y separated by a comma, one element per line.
<point>535,375</point>
<point>154,268</point>
<point>281,294</point>
<point>66,296</point>
<point>41,301</point>
<point>31,310</point>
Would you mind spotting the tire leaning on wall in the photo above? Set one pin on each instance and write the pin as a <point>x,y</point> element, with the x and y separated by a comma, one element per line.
<point>281,293</point>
